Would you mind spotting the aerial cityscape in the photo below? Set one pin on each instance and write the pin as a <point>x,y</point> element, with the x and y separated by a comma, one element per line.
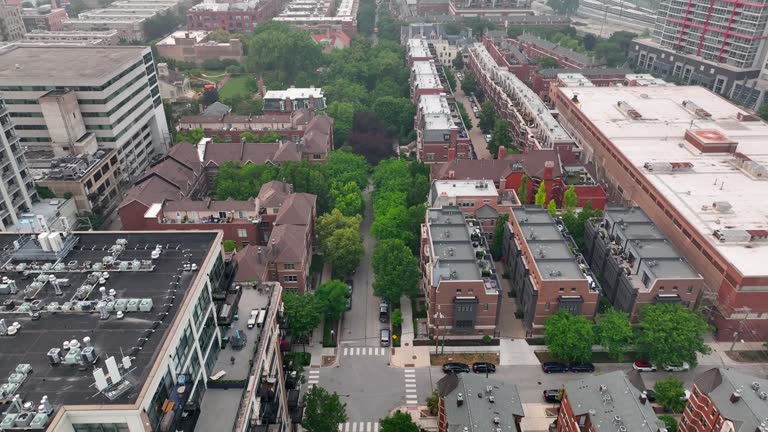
<point>384,216</point>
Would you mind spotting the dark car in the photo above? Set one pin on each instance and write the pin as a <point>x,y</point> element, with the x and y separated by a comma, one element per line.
<point>582,367</point>
<point>552,396</point>
<point>554,367</point>
<point>651,395</point>
<point>483,367</point>
<point>349,288</point>
<point>455,368</point>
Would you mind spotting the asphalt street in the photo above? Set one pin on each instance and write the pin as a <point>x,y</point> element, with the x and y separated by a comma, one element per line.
<point>475,135</point>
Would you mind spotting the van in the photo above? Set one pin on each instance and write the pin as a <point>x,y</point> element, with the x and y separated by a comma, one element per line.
<point>385,336</point>
<point>252,319</point>
<point>383,312</point>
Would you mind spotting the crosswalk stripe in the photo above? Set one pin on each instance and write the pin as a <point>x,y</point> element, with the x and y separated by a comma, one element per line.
<point>410,375</point>
<point>410,370</point>
<point>410,380</point>
<point>368,427</point>
<point>410,385</point>
<point>341,428</point>
<point>347,427</point>
<point>363,351</point>
<point>375,427</point>
<point>359,427</point>
<point>346,350</point>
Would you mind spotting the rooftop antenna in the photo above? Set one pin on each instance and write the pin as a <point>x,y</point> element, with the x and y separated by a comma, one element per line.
<point>55,282</point>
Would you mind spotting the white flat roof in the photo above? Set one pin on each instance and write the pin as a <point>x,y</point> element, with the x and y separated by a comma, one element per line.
<point>418,48</point>
<point>657,138</point>
<point>425,75</point>
<point>574,80</point>
<point>197,35</point>
<point>295,93</point>
<point>434,104</point>
<point>454,188</point>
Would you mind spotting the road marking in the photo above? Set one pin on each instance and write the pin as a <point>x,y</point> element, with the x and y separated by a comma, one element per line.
<point>410,380</point>
<point>368,427</point>
<point>410,370</point>
<point>354,427</point>
<point>410,385</point>
<point>359,427</point>
<point>375,427</point>
<point>363,351</point>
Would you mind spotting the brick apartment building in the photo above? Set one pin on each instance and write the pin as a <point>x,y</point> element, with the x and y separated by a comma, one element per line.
<point>536,48</point>
<point>234,17</point>
<point>556,170</point>
<point>294,99</point>
<point>194,47</point>
<point>478,199</point>
<point>541,80</point>
<point>724,400</point>
<point>507,55</point>
<point>638,264</point>
<point>470,402</point>
<point>610,402</point>
<point>440,132</point>
<point>425,80</point>
<point>481,8</point>
<point>418,51</point>
<point>229,127</point>
<point>459,278</point>
<point>43,18</point>
<point>548,277</point>
<point>693,162</point>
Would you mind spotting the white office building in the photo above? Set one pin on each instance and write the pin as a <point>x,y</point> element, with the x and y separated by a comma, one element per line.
<point>16,190</point>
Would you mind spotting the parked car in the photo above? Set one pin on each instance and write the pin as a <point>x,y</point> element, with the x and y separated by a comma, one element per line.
<point>349,303</point>
<point>552,396</point>
<point>554,367</point>
<point>455,368</point>
<point>483,367</point>
<point>582,367</point>
<point>678,367</point>
<point>651,395</point>
<point>644,366</point>
<point>385,337</point>
<point>488,137</point>
<point>383,312</point>
<point>252,319</point>
<point>349,287</point>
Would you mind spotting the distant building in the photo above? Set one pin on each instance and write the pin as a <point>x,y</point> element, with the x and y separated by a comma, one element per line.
<point>459,278</point>
<point>607,403</point>
<point>332,40</point>
<point>72,38</point>
<point>471,402</point>
<point>43,18</point>
<point>498,8</point>
<point>294,99</point>
<point>478,199</point>
<point>16,189</point>
<point>174,86</point>
<point>11,23</point>
<point>440,132</point>
<point>234,17</point>
<point>537,48</point>
<point>317,17</point>
<point>194,47</point>
<point>544,269</point>
<point>229,127</point>
<point>638,264</point>
<point>725,400</point>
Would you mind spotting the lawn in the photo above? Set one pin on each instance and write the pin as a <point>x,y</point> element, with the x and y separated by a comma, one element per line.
<point>235,85</point>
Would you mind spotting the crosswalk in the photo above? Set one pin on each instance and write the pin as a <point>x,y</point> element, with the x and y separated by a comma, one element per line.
<point>411,394</point>
<point>364,351</point>
<point>359,427</point>
<point>313,378</point>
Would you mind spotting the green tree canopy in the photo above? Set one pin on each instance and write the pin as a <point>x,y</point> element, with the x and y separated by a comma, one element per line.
<point>671,334</point>
<point>244,104</point>
<point>192,136</point>
<point>344,166</point>
<point>458,62</point>
<point>345,249</point>
<point>670,393</point>
<point>229,245</point>
<point>569,337</point>
<point>396,270</point>
<point>324,412</point>
<point>332,222</point>
<point>570,199</point>
<point>497,246</point>
<point>564,7</point>
<point>500,137</point>
<point>332,299</point>
<point>398,422</point>
<point>270,137</point>
<point>343,114</point>
<point>540,199</point>
<point>302,314</point>
<point>552,207</point>
<point>465,117</point>
<point>522,191</point>
<point>548,63</point>
<point>282,51</point>
<point>487,117</point>
<point>397,113</point>
<point>763,111</point>
<point>468,83</point>
<point>613,332</point>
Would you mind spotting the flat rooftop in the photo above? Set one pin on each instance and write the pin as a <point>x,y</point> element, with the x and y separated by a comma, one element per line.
<point>295,93</point>
<point>460,188</point>
<point>657,138</point>
<point>434,104</point>
<point>197,35</point>
<point>67,385</point>
<point>32,64</point>
<point>418,48</point>
<point>574,80</point>
<point>549,248</point>
<point>451,242</point>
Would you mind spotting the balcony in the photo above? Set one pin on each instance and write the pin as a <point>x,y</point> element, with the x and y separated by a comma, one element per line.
<point>6,123</point>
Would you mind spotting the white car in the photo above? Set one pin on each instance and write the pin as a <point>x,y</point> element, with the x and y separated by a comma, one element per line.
<point>488,137</point>
<point>678,367</point>
<point>252,318</point>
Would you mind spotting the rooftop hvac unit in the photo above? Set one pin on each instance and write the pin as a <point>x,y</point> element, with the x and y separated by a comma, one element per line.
<point>88,355</point>
<point>145,305</point>
<point>43,240</point>
<point>39,421</point>
<point>133,305</point>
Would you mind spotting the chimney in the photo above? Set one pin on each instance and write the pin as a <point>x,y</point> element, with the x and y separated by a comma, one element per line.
<point>502,153</point>
<point>735,396</point>
<point>451,153</point>
<point>459,400</point>
<point>643,397</point>
<point>258,254</point>
<point>549,168</point>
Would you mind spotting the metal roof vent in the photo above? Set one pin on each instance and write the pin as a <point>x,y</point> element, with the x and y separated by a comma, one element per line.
<point>755,385</point>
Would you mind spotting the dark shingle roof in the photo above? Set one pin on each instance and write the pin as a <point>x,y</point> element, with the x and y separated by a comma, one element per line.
<point>317,138</point>
<point>477,413</point>
<point>750,410</point>
<point>297,209</point>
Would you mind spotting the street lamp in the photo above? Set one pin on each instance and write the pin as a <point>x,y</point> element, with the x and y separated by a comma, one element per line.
<point>438,316</point>
<point>333,337</point>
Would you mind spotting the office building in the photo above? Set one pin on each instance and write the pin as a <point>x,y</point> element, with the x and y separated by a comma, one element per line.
<point>545,268</point>
<point>11,24</point>
<point>725,400</point>
<point>470,402</point>
<point>128,323</point>
<point>234,17</point>
<point>43,18</point>
<point>638,264</point>
<point>694,163</point>
<point>114,95</point>
<point>459,278</point>
<point>194,47</point>
<point>610,402</point>
<point>72,38</point>
<point>16,189</point>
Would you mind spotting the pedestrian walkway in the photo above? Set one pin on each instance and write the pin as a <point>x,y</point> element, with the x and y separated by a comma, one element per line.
<point>359,427</point>
<point>517,352</point>
<point>313,378</point>
<point>363,351</point>
<point>411,394</point>
<point>406,337</point>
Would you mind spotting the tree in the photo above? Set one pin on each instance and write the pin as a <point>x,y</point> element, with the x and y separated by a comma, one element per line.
<point>487,117</point>
<point>332,299</point>
<point>670,393</point>
<point>763,111</point>
<point>497,247</point>
<point>344,166</point>
<point>669,422</point>
<point>548,63</point>
<point>450,77</point>
<point>324,411</point>
<point>552,207</point>
<point>522,191</point>
<point>160,24</point>
<point>468,83</point>
<point>589,41</point>
<point>465,117</point>
<point>398,422</point>
<point>210,96</point>
<point>347,198</point>
<point>220,36</point>
<point>244,104</point>
<point>396,270</point>
<point>671,334</point>
<point>248,137</point>
<point>76,6</point>
<point>458,61</point>
<point>229,245</point>
<point>270,137</point>
<point>541,195</point>
<point>570,199</point>
<point>192,136</point>
<point>301,314</point>
<point>344,250</point>
<point>500,137</point>
<point>396,113</point>
<point>343,114</point>
<point>332,222</point>
<point>569,337</point>
<point>613,332</point>
<point>282,52</point>
<point>397,318</point>
<point>563,7</point>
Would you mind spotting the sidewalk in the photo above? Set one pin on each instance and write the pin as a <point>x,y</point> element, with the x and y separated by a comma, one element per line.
<point>408,355</point>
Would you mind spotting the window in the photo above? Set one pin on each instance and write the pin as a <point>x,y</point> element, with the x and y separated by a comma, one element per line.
<point>291,278</point>
<point>242,233</point>
<point>713,413</point>
<point>546,306</point>
<point>690,289</point>
<point>485,306</point>
<point>242,214</point>
<point>289,266</point>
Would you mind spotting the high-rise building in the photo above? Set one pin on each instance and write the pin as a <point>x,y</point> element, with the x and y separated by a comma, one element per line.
<point>112,93</point>
<point>720,45</point>
<point>16,191</point>
<point>11,24</point>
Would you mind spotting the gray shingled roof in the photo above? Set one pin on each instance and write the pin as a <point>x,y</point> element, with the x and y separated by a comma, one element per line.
<point>216,109</point>
<point>478,413</point>
<point>749,411</point>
